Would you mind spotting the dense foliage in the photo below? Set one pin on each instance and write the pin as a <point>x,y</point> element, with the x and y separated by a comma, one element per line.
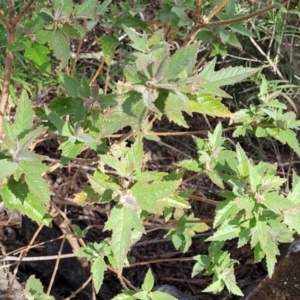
<point>150,69</point>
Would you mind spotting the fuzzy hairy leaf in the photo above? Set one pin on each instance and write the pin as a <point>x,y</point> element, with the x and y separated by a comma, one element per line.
<point>98,269</point>
<point>122,221</point>
<point>24,115</point>
<point>183,60</point>
<point>33,176</point>
<point>209,105</point>
<point>147,194</point>
<point>15,195</point>
<point>225,76</point>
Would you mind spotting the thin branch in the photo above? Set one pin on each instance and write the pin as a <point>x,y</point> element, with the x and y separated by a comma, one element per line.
<point>191,36</point>
<point>22,13</point>
<point>37,258</point>
<point>5,21</point>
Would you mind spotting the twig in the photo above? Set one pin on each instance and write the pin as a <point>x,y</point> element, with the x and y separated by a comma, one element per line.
<point>205,23</point>
<point>56,265</point>
<point>20,260</point>
<point>80,288</point>
<point>37,258</point>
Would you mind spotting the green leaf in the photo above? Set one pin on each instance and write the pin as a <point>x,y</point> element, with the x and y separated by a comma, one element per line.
<point>158,295</point>
<point>225,76</point>
<point>100,186</point>
<point>24,115</point>
<point>239,28</point>
<point>70,149</point>
<point>43,36</point>
<point>139,42</point>
<point>286,136</point>
<point>34,290</point>
<point>16,195</point>
<point>177,118</point>
<point>73,32</point>
<point>174,201</point>
<point>114,163</point>
<point>134,157</point>
<point>203,262</point>
<point>60,45</point>
<point>176,101</point>
<point>182,61</point>
<point>63,8</point>
<point>121,221</point>
<point>147,194</point>
<point>63,127</point>
<point>7,168</point>
<point>208,105</point>
<point>103,7</point>
<point>148,282</point>
<point>63,106</point>
<point>131,112</point>
<point>38,55</point>
<point>98,269</point>
<point>33,176</point>
<point>74,87</point>
<point>225,232</point>
<point>108,44</point>
<point>190,164</point>
<point>243,166</point>
<point>30,137</point>
<point>86,10</point>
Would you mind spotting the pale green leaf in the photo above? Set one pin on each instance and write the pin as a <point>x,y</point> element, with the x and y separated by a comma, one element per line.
<point>225,232</point>
<point>209,105</point>
<point>26,155</point>
<point>72,86</point>
<point>34,290</point>
<point>63,127</point>
<point>225,76</point>
<point>121,221</point>
<point>243,166</point>
<point>86,9</point>
<point>16,196</point>
<point>7,168</point>
<point>130,112</point>
<point>103,7</point>
<point>177,118</point>
<point>134,157</point>
<point>38,55</point>
<point>30,137</point>
<point>158,295</point>
<point>10,133</point>
<point>190,164</point>
<point>148,282</point>
<point>147,194</point>
<point>176,101</point>
<point>291,218</point>
<point>215,287</point>
<point>114,163</point>
<point>139,42</point>
<point>60,45</point>
<point>98,269</point>
<point>24,115</point>
<point>215,178</point>
<point>100,186</point>
<point>174,201</point>
<point>108,44</point>
<point>33,176</point>
<point>70,149</point>
<point>182,61</point>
